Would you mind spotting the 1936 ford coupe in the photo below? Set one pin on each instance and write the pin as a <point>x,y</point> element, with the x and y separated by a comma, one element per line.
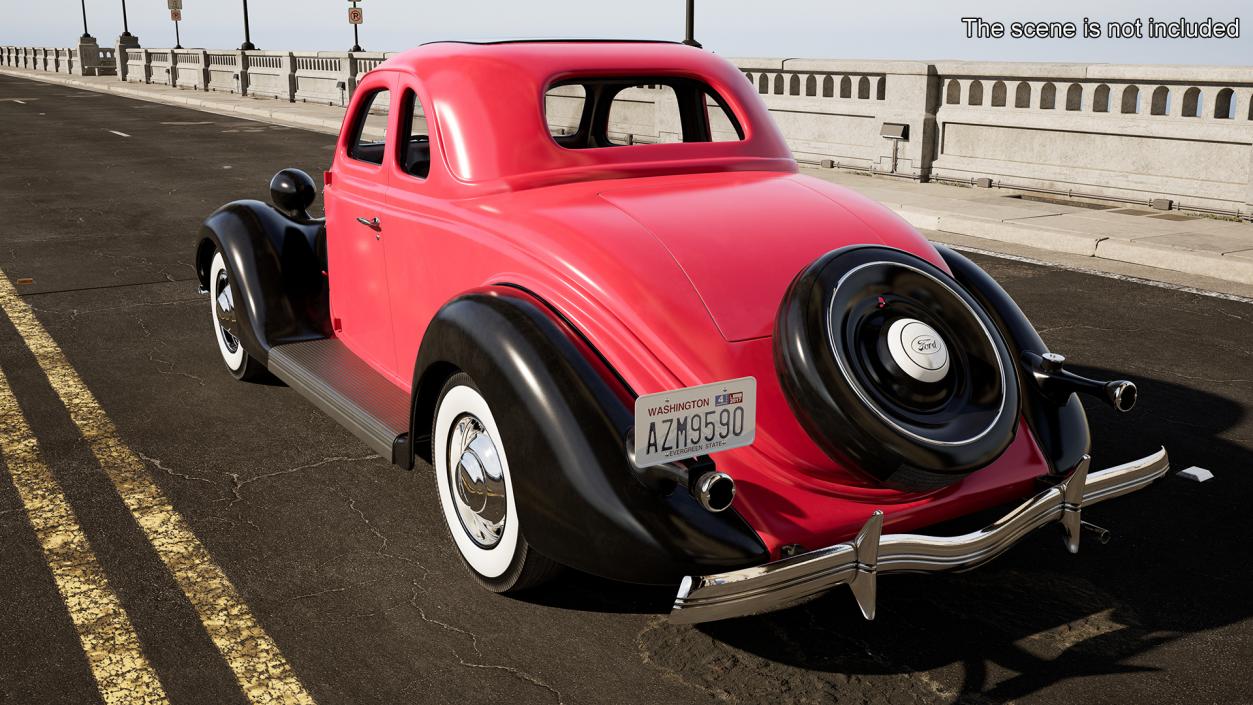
<point>586,283</point>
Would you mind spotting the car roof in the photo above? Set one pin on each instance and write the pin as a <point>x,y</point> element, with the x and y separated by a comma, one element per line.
<point>487,101</point>
<point>537,53</point>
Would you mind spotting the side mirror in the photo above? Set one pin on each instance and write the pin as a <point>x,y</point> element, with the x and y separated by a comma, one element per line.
<point>292,192</point>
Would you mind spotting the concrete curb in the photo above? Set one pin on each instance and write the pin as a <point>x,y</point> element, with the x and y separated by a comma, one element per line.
<point>1174,259</point>
<point>1206,264</point>
<point>993,230</point>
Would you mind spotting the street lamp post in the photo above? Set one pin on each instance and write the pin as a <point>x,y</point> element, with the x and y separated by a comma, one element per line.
<point>690,39</point>
<point>125,40</point>
<point>126,30</point>
<point>86,34</point>
<point>247,45</point>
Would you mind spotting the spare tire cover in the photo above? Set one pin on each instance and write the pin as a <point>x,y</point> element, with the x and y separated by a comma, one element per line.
<point>894,369</point>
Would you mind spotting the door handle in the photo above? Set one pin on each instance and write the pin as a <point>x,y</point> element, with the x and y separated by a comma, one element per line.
<point>372,223</point>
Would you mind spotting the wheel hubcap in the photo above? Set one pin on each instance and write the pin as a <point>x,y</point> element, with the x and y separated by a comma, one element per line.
<point>477,481</point>
<point>918,350</point>
<point>224,308</point>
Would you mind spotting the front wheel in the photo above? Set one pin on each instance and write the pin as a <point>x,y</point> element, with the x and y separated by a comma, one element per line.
<point>476,492</point>
<point>222,301</point>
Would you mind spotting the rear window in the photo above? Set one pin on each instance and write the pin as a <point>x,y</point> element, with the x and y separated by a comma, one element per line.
<point>598,113</point>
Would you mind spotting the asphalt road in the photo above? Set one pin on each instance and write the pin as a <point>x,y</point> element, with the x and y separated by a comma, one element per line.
<point>343,561</point>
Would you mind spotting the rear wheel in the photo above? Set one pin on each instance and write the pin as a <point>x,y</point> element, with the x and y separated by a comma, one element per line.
<point>222,302</point>
<point>476,492</point>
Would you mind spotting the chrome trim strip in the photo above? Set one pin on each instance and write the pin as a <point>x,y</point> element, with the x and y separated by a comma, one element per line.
<point>858,562</point>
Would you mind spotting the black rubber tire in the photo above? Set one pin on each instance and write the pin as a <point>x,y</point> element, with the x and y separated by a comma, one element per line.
<point>857,405</point>
<point>528,568</point>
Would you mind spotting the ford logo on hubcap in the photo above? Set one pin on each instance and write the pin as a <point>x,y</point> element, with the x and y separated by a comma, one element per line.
<point>925,344</point>
<point>918,350</point>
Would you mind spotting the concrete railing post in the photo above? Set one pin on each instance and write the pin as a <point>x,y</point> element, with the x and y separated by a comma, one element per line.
<point>354,74</point>
<point>147,74</point>
<point>1248,194</point>
<point>202,78</point>
<point>243,73</point>
<point>289,73</point>
<point>122,58</point>
<point>172,71</point>
<point>930,127</point>
<point>88,57</point>
<point>347,76</point>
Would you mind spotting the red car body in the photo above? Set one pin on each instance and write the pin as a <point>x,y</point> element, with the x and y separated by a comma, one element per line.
<point>497,292</point>
<point>670,258</point>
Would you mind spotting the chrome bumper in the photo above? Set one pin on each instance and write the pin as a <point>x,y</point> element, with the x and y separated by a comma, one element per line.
<point>857,563</point>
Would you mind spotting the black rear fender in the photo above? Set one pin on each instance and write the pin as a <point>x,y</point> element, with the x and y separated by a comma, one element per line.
<point>1060,429</point>
<point>564,417</point>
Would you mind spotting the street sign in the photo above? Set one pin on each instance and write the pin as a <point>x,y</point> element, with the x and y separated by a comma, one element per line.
<point>176,15</point>
<point>175,4</point>
<point>355,16</point>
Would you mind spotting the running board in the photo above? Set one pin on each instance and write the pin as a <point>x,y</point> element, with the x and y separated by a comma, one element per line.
<point>341,384</point>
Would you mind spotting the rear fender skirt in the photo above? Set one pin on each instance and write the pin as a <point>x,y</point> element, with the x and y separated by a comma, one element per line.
<point>564,418</point>
<point>1061,430</point>
<point>276,264</point>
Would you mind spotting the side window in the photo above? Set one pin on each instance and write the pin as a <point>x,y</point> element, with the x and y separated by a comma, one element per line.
<point>369,140</point>
<point>414,155</point>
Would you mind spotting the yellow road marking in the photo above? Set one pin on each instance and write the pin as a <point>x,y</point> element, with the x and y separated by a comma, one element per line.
<point>260,668</point>
<point>122,672</point>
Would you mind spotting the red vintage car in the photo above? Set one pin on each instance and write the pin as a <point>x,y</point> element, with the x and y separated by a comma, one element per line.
<point>586,283</point>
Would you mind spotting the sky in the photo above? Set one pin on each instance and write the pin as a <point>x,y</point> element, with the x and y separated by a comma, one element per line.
<point>879,29</point>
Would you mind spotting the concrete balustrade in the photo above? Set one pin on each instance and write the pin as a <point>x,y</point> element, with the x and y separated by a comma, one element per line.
<point>1139,134</point>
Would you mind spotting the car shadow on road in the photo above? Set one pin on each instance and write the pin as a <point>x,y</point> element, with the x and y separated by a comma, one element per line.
<point>1036,616</point>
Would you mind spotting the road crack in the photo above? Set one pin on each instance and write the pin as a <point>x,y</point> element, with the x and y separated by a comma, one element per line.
<point>156,462</point>
<point>237,485</point>
<point>480,656</point>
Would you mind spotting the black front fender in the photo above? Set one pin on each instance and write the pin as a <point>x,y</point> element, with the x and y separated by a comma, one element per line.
<point>564,417</point>
<point>276,266</point>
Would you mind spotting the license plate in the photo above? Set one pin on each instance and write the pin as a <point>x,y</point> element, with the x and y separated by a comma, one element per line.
<point>685,423</point>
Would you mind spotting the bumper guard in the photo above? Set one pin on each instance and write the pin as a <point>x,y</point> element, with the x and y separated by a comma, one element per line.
<point>858,563</point>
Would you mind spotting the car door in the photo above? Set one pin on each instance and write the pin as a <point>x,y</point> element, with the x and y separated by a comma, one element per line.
<point>356,257</point>
<point>422,243</point>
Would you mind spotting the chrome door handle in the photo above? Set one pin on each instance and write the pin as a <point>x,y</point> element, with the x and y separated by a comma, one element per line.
<point>372,223</point>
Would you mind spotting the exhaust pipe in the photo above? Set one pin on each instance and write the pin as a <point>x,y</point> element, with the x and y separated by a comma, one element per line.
<point>714,490</point>
<point>1058,383</point>
<point>711,489</point>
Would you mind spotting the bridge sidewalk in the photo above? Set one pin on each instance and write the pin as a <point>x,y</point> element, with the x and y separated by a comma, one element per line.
<point>1188,250</point>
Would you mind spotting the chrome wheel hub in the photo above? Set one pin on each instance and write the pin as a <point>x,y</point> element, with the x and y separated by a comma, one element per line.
<point>224,309</point>
<point>477,480</point>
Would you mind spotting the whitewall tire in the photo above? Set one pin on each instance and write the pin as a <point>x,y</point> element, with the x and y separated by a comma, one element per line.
<point>476,492</point>
<point>222,304</point>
